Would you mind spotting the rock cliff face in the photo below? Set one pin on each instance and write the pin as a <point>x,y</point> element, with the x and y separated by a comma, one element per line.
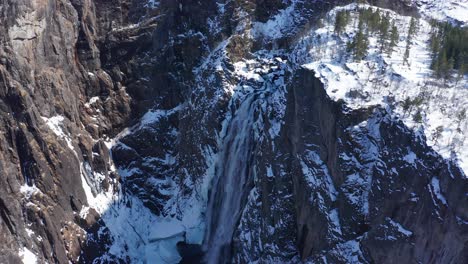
<point>50,68</point>
<point>188,131</point>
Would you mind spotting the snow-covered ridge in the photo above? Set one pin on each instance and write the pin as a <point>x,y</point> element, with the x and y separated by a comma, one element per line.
<point>386,80</point>
<point>452,10</point>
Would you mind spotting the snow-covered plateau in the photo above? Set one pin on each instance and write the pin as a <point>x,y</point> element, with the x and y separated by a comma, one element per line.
<point>386,79</point>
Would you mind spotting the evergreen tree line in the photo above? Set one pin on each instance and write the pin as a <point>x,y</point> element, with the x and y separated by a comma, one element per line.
<point>449,45</point>
<point>369,22</point>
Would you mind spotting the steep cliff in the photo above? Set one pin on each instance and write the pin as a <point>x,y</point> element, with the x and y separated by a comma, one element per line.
<point>205,131</point>
<point>50,68</point>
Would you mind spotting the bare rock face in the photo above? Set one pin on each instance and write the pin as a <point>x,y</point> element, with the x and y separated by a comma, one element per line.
<point>376,178</point>
<point>50,69</point>
<point>200,107</point>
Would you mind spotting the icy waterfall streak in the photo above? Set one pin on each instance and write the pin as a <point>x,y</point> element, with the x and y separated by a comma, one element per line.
<point>232,176</point>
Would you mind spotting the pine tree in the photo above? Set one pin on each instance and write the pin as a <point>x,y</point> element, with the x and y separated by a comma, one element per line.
<point>436,68</point>
<point>383,30</point>
<point>341,21</point>
<point>435,44</point>
<point>418,117</point>
<point>411,31</point>
<point>393,38</point>
<point>461,116</point>
<point>444,66</point>
<point>373,20</point>
<point>435,48</point>
<point>450,66</point>
<point>338,23</point>
<point>407,53</point>
<point>407,104</point>
<point>413,28</point>
<point>438,133</point>
<point>361,42</point>
<point>461,72</point>
<point>449,46</point>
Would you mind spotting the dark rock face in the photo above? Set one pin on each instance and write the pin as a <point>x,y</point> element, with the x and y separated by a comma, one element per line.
<point>320,182</point>
<point>378,189</point>
<point>347,190</point>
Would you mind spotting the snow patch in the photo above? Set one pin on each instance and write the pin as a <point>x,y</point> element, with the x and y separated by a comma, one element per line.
<point>278,26</point>
<point>55,124</point>
<point>436,188</point>
<point>29,232</point>
<point>244,69</point>
<point>400,228</point>
<point>27,256</point>
<point>91,101</point>
<point>152,3</point>
<point>29,191</point>
<point>410,158</point>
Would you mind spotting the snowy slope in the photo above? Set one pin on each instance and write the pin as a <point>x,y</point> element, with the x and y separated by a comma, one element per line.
<point>387,80</point>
